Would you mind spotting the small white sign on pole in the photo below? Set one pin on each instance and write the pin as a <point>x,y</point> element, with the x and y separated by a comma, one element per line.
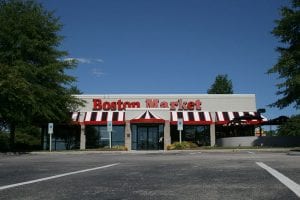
<point>109,130</point>
<point>180,124</point>
<point>50,128</point>
<point>180,128</point>
<point>109,126</point>
<point>50,132</point>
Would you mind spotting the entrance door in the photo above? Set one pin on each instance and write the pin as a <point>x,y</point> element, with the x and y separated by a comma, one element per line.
<point>148,138</point>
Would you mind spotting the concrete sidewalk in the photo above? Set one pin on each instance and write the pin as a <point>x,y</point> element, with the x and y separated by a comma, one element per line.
<point>292,151</point>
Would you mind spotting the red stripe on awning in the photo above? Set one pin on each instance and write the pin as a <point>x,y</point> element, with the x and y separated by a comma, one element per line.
<point>250,118</point>
<point>191,118</point>
<point>147,117</point>
<point>99,118</point>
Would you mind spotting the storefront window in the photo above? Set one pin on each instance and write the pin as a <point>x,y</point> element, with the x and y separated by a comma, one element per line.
<point>64,138</point>
<point>98,137</point>
<point>118,135</point>
<point>197,134</point>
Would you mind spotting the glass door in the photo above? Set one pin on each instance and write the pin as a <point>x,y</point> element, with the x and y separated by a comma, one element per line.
<point>153,138</point>
<point>142,138</point>
<point>147,138</point>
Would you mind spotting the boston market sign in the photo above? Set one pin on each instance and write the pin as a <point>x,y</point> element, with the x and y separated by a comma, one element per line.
<point>99,104</point>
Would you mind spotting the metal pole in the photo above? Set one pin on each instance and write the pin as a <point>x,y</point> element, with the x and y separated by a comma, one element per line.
<point>180,136</point>
<point>109,139</point>
<point>50,143</point>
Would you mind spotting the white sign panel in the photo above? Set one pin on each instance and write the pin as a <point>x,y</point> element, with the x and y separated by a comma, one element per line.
<point>50,128</point>
<point>180,124</point>
<point>109,126</point>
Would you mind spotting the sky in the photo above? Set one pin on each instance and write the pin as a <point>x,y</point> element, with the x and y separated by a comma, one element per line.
<point>172,46</point>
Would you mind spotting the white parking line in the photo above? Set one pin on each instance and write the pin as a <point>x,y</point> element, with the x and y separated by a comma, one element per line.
<point>250,152</point>
<point>56,176</point>
<point>283,179</point>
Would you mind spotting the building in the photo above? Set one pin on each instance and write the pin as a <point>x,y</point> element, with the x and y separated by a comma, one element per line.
<point>149,121</point>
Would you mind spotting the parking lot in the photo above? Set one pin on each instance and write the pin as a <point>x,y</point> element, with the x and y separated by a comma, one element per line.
<point>151,175</point>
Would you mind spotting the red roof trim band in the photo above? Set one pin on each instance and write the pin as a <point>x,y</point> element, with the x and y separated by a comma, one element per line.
<point>147,121</point>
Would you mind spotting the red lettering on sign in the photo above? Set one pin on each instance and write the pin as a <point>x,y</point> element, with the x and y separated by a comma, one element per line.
<point>173,105</point>
<point>115,105</point>
<point>120,105</point>
<point>126,104</point>
<point>198,104</point>
<point>164,104</point>
<point>106,105</point>
<point>190,105</point>
<point>97,104</point>
<point>152,103</point>
<point>182,105</point>
<point>135,104</point>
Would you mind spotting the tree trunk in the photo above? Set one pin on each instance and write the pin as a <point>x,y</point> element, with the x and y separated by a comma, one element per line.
<point>43,130</point>
<point>12,137</point>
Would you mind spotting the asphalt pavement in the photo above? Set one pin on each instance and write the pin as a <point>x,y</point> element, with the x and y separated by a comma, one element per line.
<point>150,175</point>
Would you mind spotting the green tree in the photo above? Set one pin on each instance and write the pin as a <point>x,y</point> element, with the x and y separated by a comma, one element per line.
<point>288,65</point>
<point>222,85</point>
<point>34,88</point>
<point>291,127</point>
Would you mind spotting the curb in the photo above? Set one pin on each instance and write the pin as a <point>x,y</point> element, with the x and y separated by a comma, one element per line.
<point>289,151</point>
<point>294,152</point>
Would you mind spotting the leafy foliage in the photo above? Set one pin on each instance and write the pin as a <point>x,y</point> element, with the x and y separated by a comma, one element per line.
<point>222,85</point>
<point>183,145</point>
<point>34,88</point>
<point>288,64</point>
<point>270,132</point>
<point>27,138</point>
<point>291,127</point>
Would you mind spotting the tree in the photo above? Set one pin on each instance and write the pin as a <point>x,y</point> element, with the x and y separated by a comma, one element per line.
<point>222,85</point>
<point>34,88</point>
<point>291,127</point>
<point>288,64</point>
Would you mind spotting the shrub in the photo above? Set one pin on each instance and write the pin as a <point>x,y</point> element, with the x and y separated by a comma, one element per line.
<point>27,138</point>
<point>27,142</point>
<point>120,147</point>
<point>291,127</point>
<point>182,145</point>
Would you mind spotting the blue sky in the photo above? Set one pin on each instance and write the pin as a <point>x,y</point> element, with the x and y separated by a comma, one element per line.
<point>172,46</point>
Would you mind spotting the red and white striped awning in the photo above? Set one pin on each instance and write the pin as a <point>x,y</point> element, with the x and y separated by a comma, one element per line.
<point>147,117</point>
<point>99,118</point>
<point>76,117</point>
<point>191,118</point>
<point>245,117</point>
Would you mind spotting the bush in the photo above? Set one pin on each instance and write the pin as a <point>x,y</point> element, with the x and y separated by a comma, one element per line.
<point>27,138</point>
<point>113,148</point>
<point>291,127</point>
<point>120,148</point>
<point>182,146</point>
<point>27,142</point>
